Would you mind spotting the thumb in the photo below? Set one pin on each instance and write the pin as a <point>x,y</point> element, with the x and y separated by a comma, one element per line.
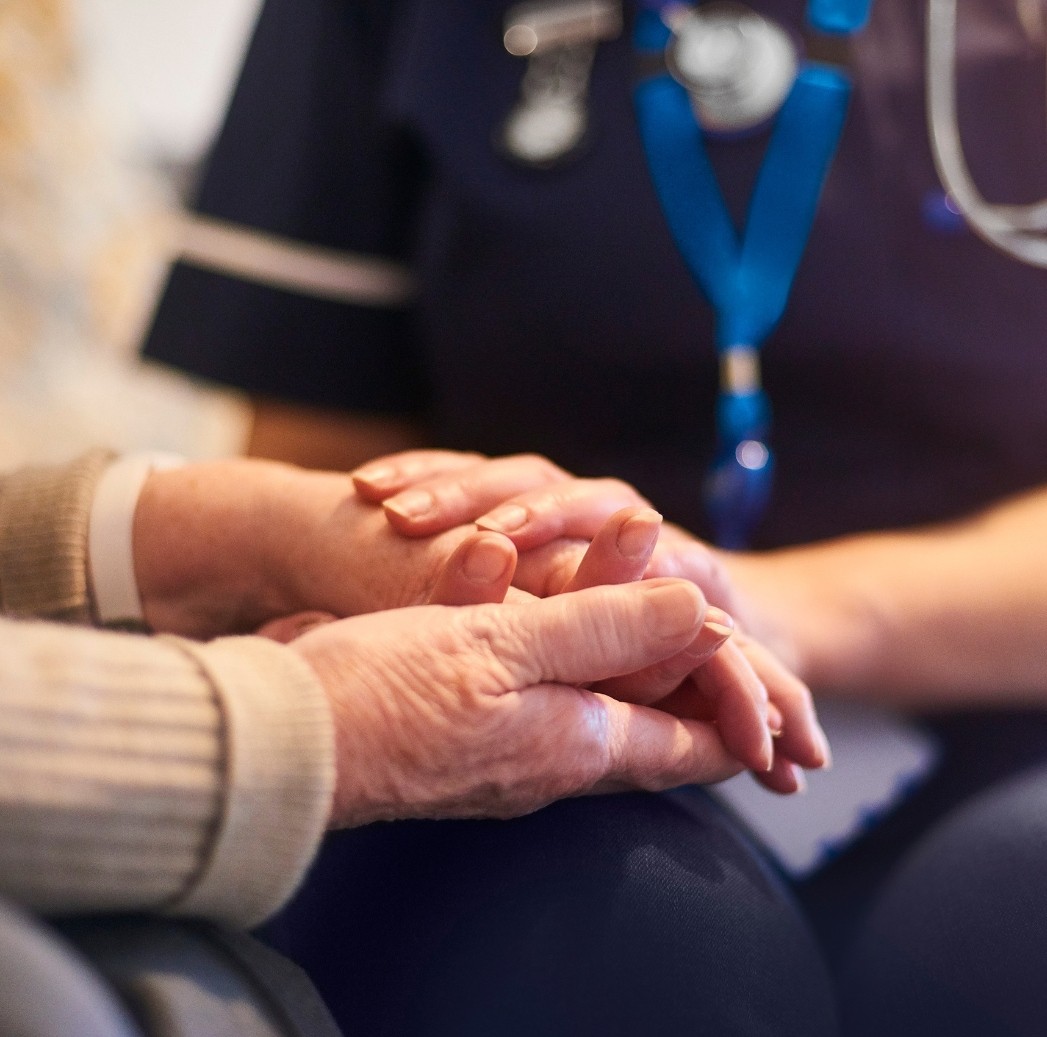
<point>601,632</point>
<point>479,570</point>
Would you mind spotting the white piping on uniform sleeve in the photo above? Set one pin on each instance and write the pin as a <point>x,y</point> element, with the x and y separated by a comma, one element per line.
<point>252,255</point>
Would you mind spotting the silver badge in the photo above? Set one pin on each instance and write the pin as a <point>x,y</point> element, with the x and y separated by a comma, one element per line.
<point>558,38</point>
<point>737,66</point>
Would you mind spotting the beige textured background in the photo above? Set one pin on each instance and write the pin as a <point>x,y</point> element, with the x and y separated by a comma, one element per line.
<point>105,107</point>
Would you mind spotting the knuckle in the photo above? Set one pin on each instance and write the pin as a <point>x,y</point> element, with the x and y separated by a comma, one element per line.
<point>620,488</point>
<point>543,467</point>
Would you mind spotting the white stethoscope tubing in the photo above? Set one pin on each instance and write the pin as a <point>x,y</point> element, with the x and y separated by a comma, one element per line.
<point>1018,230</point>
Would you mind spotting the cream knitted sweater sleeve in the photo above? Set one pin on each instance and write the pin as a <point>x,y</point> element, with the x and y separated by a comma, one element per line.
<point>142,773</point>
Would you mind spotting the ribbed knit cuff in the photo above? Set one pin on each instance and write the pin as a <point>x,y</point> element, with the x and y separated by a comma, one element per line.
<point>43,539</point>
<point>111,769</point>
<point>279,778</point>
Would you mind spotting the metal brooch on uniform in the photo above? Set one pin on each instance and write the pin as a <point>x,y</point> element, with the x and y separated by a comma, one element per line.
<point>550,121</point>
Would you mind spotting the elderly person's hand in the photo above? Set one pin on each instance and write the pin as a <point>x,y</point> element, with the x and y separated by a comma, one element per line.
<point>551,518</point>
<point>486,710</point>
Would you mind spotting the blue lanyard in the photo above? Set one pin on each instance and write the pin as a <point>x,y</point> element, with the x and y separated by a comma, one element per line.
<point>746,280</point>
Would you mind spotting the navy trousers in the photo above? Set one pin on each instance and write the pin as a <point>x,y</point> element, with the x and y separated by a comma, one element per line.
<point>957,941</point>
<point>655,914</point>
<point>611,915</point>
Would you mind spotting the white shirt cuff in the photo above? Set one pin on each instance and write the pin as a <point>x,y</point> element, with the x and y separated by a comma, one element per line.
<point>110,546</point>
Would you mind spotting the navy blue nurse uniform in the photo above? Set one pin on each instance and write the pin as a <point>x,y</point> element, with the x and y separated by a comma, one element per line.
<point>553,313</point>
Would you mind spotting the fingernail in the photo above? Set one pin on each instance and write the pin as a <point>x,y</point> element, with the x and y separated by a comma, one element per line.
<point>718,622</point>
<point>823,745</point>
<point>375,475</point>
<point>716,628</point>
<point>485,562</point>
<point>671,610</point>
<point>504,520</point>
<point>766,755</point>
<point>411,504</point>
<point>638,534</point>
<point>775,720</point>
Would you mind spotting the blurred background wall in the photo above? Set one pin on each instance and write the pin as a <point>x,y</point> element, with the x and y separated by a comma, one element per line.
<point>106,107</point>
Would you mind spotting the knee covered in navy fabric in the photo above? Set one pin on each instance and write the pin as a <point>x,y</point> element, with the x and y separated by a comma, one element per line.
<point>957,941</point>
<point>591,913</point>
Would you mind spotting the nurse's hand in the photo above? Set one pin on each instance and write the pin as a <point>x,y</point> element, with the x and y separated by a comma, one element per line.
<point>548,513</point>
<point>426,490</point>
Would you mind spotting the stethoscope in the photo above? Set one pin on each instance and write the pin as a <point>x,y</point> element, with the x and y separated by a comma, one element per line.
<point>1018,230</point>
<point>739,68</point>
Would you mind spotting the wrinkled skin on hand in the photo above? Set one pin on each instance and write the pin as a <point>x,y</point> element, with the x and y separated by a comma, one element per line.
<point>486,710</point>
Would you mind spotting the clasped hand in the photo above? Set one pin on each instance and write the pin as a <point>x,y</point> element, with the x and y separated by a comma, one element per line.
<point>573,533</point>
<point>490,708</point>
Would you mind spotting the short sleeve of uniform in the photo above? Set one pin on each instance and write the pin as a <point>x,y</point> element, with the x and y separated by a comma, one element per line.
<point>303,158</point>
